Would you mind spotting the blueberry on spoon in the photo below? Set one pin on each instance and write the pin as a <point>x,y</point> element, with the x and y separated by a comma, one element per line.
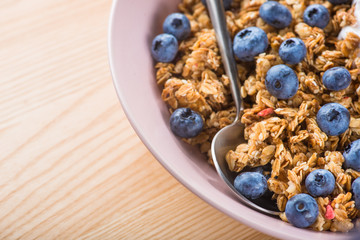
<point>251,184</point>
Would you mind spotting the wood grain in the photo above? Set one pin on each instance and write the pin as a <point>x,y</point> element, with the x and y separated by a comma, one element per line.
<point>71,166</point>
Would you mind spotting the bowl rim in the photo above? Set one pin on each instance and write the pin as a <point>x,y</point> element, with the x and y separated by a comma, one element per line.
<point>253,224</point>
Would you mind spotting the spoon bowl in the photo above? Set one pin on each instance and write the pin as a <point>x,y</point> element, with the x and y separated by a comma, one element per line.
<point>231,136</point>
<point>228,139</point>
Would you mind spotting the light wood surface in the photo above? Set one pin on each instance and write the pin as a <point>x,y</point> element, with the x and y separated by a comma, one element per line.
<point>71,167</point>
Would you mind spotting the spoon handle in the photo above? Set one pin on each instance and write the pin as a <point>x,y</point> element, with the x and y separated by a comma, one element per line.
<point>218,20</point>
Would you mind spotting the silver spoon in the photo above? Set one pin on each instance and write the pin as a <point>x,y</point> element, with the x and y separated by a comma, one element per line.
<point>231,136</point>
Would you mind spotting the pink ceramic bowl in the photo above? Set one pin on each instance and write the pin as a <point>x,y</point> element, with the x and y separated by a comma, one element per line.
<point>133,25</point>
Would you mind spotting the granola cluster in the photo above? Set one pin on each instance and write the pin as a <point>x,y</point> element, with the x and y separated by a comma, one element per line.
<point>281,132</point>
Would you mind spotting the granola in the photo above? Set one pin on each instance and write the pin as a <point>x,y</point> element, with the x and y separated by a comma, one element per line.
<point>283,133</point>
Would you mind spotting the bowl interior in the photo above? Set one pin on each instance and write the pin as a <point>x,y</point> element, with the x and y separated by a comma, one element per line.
<point>132,29</point>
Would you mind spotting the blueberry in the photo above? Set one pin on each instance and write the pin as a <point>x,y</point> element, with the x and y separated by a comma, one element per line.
<point>164,47</point>
<point>250,42</point>
<point>267,175</point>
<point>275,14</point>
<point>251,184</point>
<point>292,51</point>
<point>336,78</point>
<point>186,123</point>
<point>281,81</point>
<point>316,15</point>
<point>178,25</point>
<point>356,192</point>
<point>227,3</point>
<point>352,155</point>
<point>333,119</point>
<point>301,210</point>
<point>320,183</point>
<point>338,2</point>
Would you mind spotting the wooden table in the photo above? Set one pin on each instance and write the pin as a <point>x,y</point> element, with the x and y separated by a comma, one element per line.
<point>71,166</point>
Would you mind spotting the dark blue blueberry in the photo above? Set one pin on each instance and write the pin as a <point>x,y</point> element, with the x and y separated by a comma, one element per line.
<point>333,119</point>
<point>186,123</point>
<point>352,155</point>
<point>267,175</point>
<point>251,184</point>
<point>301,210</point>
<point>275,14</point>
<point>320,183</point>
<point>227,3</point>
<point>356,192</point>
<point>281,82</point>
<point>292,51</point>
<point>336,78</point>
<point>316,15</point>
<point>178,25</point>
<point>338,2</point>
<point>249,43</point>
<point>164,47</point>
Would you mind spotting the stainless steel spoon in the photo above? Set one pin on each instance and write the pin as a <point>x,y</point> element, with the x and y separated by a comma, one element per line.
<point>231,136</point>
